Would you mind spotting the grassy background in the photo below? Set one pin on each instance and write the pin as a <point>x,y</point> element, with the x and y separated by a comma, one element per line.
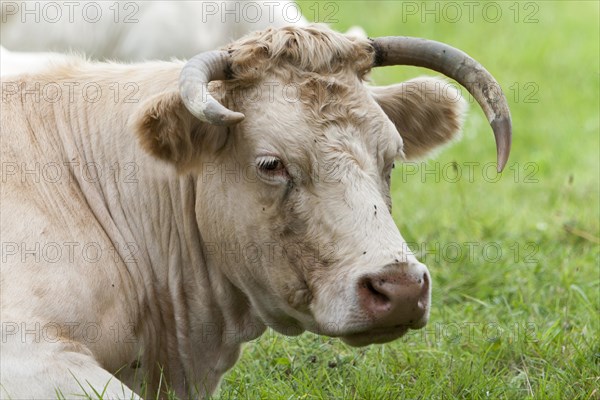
<point>520,324</point>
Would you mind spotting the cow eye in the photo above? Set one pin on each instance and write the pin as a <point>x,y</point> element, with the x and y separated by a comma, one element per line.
<point>270,164</point>
<point>271,168</point>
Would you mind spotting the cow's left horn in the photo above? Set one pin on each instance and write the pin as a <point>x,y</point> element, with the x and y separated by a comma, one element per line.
<point>402,50</point>
<point>193,88</point>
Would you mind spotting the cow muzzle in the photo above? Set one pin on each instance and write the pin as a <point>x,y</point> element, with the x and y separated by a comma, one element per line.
<point>392,301</point>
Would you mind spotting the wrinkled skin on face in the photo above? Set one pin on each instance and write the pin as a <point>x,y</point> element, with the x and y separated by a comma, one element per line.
<point>305,209</point>
<point>293,203</point>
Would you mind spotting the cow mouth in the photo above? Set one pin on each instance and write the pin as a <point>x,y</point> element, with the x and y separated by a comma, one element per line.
<point>375,336</point>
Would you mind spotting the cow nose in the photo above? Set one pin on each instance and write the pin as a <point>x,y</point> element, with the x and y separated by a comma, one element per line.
<point>399,296</point>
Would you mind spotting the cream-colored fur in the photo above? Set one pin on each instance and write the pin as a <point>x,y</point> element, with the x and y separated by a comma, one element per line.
<point>199,251</point>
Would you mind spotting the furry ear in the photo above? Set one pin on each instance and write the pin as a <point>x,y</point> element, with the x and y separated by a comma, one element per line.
<point>427,112</point>
<point>167,130</point>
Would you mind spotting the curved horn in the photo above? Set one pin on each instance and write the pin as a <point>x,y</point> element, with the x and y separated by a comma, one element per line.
<point>193,88</point>
<point>402,50</point>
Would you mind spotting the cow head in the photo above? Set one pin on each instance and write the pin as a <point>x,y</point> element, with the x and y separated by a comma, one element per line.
<point>293,192</point>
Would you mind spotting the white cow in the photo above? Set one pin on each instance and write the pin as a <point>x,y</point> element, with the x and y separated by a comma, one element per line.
<point>138,30</point>
<point>132,31</point>
<point>148,230</point>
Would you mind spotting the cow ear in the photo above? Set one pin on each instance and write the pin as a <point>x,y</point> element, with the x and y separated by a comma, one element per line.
<point>167,130</point>
<point>427,112</point>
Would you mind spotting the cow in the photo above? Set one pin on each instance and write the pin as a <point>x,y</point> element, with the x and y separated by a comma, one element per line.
<point>137,31</point>
<point>148,233</point>
<point>133,31</point>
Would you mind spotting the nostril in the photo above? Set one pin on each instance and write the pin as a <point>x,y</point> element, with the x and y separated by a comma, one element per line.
<point>377,295</point>
<point>396,297</point>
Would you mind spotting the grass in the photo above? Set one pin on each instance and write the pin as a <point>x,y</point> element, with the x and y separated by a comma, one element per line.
<point>514,259</point>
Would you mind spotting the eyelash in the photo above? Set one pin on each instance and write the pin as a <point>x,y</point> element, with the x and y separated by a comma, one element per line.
<point>269,164</point>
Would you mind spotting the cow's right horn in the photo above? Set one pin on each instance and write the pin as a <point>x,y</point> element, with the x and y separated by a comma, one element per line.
<point>193,88</point>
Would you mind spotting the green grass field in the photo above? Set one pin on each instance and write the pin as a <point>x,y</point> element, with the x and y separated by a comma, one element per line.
<point>514,258</point>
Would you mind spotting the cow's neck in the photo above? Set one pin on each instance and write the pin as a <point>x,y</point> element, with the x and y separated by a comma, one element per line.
<point>189,316</point>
